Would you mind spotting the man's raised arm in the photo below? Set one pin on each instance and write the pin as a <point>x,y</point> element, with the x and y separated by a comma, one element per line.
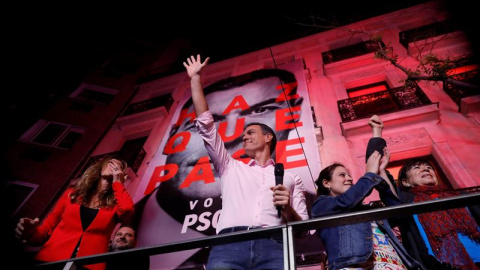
<point>194,67</point>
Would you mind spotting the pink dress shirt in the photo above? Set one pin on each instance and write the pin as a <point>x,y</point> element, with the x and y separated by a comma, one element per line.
<point>246,196</point>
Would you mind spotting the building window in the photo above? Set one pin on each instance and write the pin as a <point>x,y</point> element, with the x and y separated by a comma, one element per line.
<point>132,152</point>
<point>378,98</point>
<point>367,89</point>
<point>17,194</point>
<point>53,134</point>
<point>351,51</point>
<point>425,32</point>
<point>94,94</point>
<point>467,74</point>
<point>145,105</point>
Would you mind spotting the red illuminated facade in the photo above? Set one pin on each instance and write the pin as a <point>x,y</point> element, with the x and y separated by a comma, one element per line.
<point>128,112</point>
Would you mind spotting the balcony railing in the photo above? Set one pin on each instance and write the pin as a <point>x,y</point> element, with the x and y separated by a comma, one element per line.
<point>391,100</point>
<point>426,31</point>
<point>457,92</point>
<point>349,51</point>
<point>287,231</point>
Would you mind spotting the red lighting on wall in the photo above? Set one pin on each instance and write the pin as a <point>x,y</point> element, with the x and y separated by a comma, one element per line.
<point>367,91</point>
<point>460,70</point>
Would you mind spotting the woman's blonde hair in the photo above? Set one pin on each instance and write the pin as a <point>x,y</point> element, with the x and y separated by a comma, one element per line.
<point>86,187</point>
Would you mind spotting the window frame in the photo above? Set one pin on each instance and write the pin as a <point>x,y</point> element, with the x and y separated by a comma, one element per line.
<point>22,184</point>
<point>41,125</point>
<point>77,94</point>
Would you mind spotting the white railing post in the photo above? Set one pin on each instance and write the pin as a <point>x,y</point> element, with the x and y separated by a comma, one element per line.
<point>289,249</point>
<point>70,266</point>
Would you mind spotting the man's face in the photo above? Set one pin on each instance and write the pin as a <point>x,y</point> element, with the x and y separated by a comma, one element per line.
<point>254,140</point>
<point>232,109</point>
<point>124,239</point>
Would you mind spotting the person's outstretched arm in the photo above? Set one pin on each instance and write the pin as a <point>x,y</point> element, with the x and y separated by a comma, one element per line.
<point>385,174</point>
<point>204,120</point>
<point>376,143</point>
<point>328,205</point>
<point>194,67</point>
<point>377,126</point>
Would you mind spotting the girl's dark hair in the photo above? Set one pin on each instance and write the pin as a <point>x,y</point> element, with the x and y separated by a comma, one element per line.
<point>266,130</point>
<point>327,174</point>
<point>402,174</point>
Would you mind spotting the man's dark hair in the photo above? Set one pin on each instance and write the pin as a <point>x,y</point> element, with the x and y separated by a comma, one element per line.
<point>266,130</point>
<point>128,226</point>
<point>407,166</point>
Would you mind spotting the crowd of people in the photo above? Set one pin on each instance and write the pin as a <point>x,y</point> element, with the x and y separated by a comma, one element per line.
<point>84,218</point>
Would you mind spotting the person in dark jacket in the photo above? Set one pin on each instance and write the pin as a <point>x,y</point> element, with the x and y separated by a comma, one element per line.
<point>447,239</point>
<point>361,245</point>
<point>126,238</point>
<point>439,240</point>
<point>364,245</point>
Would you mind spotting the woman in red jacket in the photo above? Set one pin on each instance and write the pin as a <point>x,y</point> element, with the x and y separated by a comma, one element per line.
<point>83,219</point>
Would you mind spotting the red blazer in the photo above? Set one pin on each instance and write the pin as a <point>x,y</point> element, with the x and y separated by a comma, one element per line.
<point>61,230</point>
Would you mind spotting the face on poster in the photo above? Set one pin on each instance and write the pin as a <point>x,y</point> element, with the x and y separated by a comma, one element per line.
<point>181,182</point>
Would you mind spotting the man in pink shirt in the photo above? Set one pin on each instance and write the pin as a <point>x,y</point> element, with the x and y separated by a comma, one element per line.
<point>249,194</point>
<point>187,203</point>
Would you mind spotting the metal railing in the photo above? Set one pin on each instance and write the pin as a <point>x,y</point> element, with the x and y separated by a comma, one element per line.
<point>287,231</point>
<point>388,101</point>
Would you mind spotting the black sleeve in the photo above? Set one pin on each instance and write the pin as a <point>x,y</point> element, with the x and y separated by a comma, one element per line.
<point>384,186</point>
<point>375,144</point>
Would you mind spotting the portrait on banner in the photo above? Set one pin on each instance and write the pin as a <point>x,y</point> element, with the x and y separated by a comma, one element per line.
<point>179,195</point>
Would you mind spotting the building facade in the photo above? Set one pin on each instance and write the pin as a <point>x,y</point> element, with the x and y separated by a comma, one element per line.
<point>342,83</point>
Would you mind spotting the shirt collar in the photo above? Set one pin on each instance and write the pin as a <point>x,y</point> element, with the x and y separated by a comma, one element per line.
<point>253,162</point>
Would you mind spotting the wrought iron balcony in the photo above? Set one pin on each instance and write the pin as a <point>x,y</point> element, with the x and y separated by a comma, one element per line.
<point>426,31</point>
<point>391,100</point>
<point>457,92</point>
<point>351,51</point>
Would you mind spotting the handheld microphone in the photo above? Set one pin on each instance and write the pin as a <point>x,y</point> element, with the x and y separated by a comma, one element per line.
<point>279,171</point>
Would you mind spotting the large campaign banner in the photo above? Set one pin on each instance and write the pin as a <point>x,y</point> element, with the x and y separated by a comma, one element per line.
<point>179,196</point>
